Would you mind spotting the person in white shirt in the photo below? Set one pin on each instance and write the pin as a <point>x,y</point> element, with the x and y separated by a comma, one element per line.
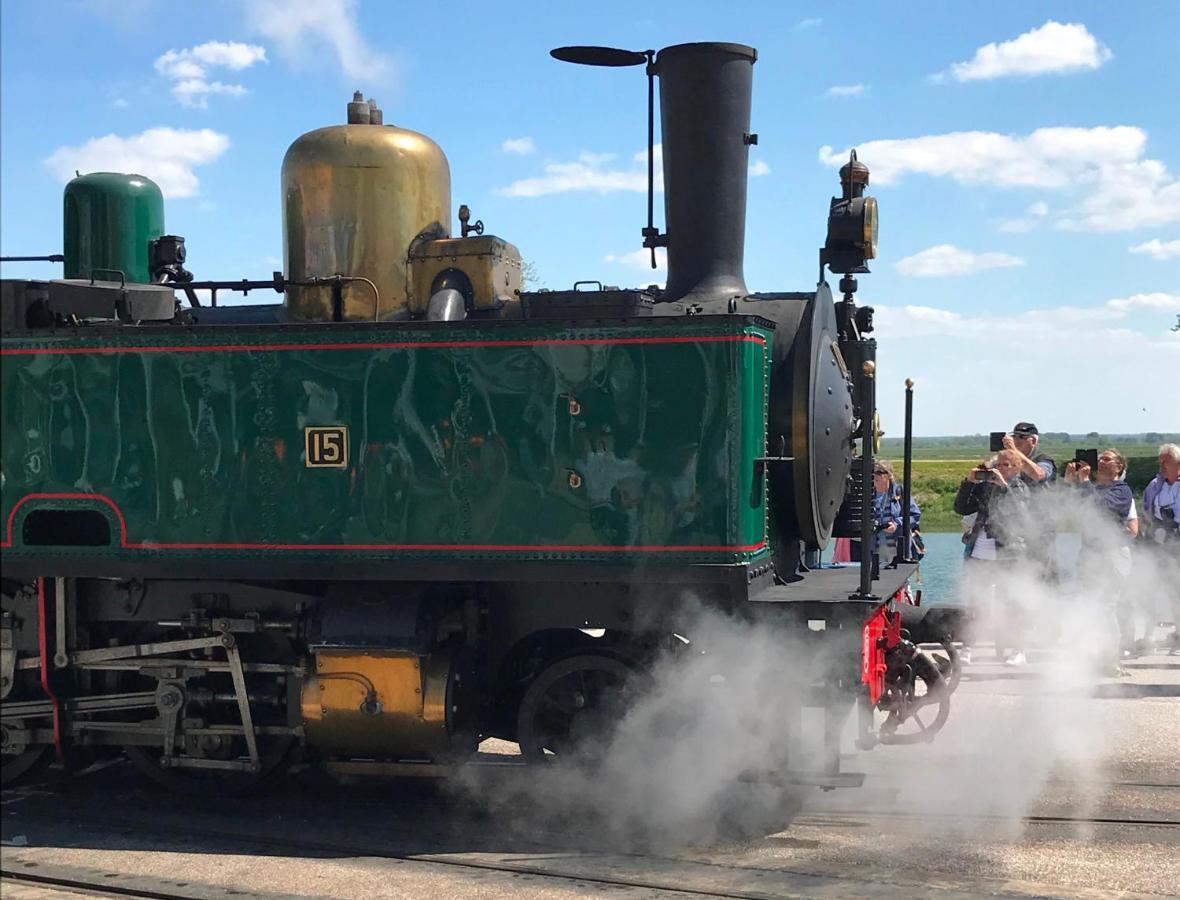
<point>1160,526</point>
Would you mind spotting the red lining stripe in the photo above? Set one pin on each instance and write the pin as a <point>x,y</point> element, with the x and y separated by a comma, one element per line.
<point>43,648</point>
<point>125,544</point>
<point>386,345</point>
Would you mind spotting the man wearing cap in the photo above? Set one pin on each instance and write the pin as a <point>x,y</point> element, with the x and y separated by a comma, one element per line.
<point>1035,468</point>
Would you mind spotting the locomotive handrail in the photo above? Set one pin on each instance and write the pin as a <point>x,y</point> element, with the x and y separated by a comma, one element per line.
<point>122,275</point>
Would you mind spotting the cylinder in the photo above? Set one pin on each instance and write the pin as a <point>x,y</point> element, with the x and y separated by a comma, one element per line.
<point>108,221</point>
<point>705,92</point>
<point>354,198</point>
<point>380,704</point>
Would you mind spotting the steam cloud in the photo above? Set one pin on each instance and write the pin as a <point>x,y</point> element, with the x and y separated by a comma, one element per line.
<point>996,758</point>
<point>686,762</point>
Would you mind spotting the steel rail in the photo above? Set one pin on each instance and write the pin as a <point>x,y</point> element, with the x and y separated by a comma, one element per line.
<point>351,849</point>
<point>99,888</point>
<point>354,850</point>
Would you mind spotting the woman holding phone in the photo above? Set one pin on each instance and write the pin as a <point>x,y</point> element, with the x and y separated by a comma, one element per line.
<point>995,494</point>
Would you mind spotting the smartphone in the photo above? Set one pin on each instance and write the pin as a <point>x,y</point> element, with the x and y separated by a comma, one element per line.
<point>997,441</point>
<point>1090,458</point>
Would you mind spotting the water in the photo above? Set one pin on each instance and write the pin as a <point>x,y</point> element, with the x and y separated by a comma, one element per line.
<point>942,567</point>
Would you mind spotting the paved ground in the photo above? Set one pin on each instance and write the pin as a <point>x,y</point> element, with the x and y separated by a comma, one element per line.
<point>1031,790</point>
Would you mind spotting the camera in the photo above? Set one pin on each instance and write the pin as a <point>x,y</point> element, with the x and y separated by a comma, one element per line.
<point>1086,458</point>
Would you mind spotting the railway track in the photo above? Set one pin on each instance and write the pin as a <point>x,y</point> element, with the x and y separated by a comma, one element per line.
<point>666,872</point>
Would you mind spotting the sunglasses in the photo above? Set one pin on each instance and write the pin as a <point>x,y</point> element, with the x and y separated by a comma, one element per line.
<point>880,472</point>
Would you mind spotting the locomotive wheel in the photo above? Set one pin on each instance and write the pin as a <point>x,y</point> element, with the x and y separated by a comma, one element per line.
<point>16,766</point>
<point>274,754</point>
<point>918,711</point>
<point>570,706</point>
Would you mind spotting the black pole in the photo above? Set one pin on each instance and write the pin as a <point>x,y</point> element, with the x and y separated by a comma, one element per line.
<point>651,234</point>
<point>867,406</point>
<point>903,550</point>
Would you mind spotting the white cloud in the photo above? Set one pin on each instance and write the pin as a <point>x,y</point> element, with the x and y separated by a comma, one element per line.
<point>994,358</point>
<point>1142,194</point>
<point>657,158</point>
<point>640,259</point>
<point>195,91</point>
<point>1157,249</point>
<point>521,145</point>
<point>947,259</point>
<point>232,55</point>
<point>1048,157</point>
<point>601,173</point>
<point>1053,47</point>
<point>1017,226</point>
<point>189,69</point>
<point>808,23</point>
<point>589,173</point>
<point>846,90</point>
<point>1031,328</point>
<point>302,28</point>
<point>168,156</point>
<point>1160,301</point>
<point>1037,211</point>
<point>639,262</point>
<point>1103,168</point>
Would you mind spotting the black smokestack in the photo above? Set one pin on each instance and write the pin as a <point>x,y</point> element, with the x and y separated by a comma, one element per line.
<point>705,121</point>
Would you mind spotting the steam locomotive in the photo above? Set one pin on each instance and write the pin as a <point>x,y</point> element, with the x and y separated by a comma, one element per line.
<point>414,505</point>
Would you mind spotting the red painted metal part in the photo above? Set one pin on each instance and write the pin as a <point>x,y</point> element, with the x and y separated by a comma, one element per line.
<point>43,648</point>
<point>127,544</point>
<point>385,345</point>
<point>881,632</point>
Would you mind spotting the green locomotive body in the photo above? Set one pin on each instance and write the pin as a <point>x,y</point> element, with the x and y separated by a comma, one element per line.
<point>538,441</point>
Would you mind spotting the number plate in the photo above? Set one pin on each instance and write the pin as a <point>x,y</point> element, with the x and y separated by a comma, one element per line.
<point>326,448</point>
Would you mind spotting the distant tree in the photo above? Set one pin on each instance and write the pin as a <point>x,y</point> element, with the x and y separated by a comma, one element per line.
<point>1153,437</point>
<point>1093,435</point>
<point>529,279</point>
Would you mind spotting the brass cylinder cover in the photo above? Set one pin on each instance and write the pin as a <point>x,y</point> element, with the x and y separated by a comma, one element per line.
<point>354,198</point>
<point>379,705</point>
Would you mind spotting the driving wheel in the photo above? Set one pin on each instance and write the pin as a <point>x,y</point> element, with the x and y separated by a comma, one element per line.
<point>571,707</point>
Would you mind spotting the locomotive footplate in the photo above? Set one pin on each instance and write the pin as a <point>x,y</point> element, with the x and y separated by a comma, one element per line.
<point>835,584</point>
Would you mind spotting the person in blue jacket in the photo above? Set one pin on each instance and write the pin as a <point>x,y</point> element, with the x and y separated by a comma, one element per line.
<point>887,510</point>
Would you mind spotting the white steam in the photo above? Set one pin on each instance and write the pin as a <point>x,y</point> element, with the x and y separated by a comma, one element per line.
<point>696,755</point>
<point>1003,747</point>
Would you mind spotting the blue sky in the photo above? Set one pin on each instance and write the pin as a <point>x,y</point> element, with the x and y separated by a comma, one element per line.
<point>1026,158</point>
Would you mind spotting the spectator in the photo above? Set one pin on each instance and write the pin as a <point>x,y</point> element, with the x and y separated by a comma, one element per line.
<point>995,494</point>
<point>887,509</point>
<point>1106,551</point>
<point>1036,470</point>
<point>1161,500</point>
